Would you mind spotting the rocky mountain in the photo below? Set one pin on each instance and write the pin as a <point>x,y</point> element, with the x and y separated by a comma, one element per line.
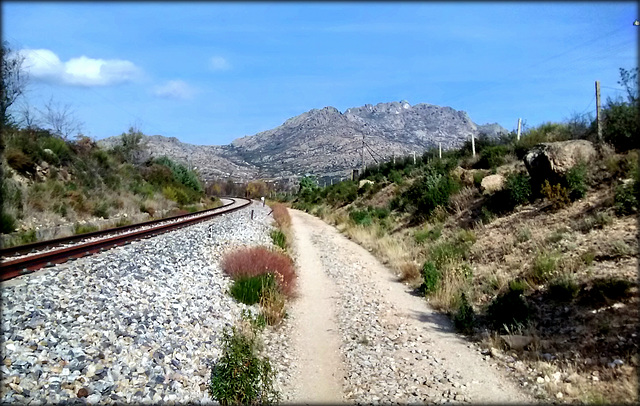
<point>326,142</point>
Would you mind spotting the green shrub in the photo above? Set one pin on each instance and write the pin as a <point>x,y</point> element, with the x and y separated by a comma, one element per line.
<point>564,289</point>
<point>249,290</point>
<point>431,277</point>
<point>240,377</point>
<point>279,239</point>
<point>621,125</point>
<point>430,191</point>
<point>395,177</point>
<point>464,318</point>
<point>625,199</point>
<point>101,210</point>
<point>492,156</point>
<point>360,217</point>
<point>509,311</point>
<point>576,179</point>
<point>433,233</point>
<point>7,223</point>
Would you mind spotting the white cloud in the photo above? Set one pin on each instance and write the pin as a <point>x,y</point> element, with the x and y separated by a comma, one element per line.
<point>175,89</point>
<point>219,63</point>
<point>83,71</point>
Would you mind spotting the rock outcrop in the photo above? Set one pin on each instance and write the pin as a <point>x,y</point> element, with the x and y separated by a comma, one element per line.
<point>552,160</point>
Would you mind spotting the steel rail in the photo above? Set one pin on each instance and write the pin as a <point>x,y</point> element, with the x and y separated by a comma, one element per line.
<point>34,246</point>
<point>25,265</point>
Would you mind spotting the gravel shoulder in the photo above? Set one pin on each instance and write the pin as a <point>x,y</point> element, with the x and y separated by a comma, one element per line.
<point>393,347</point>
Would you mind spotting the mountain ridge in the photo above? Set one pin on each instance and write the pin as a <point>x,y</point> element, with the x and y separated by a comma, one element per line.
<point>325,142</point>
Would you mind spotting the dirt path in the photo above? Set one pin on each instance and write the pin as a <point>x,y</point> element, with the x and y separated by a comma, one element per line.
<point>430,349</point>
<point>316,340</point>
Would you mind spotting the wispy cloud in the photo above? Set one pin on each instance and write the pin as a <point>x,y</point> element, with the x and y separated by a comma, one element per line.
<point>175,89</point>
<point>44,64</point>
<point>219,63</point>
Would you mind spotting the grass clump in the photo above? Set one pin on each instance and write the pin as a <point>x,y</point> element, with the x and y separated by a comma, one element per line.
<point>239,376</point>
<point>544,265</point>
<point>281,215</point>
<point>279,239</point>
<point>85,228</point>
<point>432,233</point>
<point>250,289</point>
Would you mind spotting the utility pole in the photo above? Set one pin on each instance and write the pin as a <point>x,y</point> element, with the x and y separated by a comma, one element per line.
<point>414,157</point>
<point>440,150</point>
<point>362,152</point>
<point>473,146</point>
<point>598,118</point>
<point>394,158</point>
<point>519,126</point>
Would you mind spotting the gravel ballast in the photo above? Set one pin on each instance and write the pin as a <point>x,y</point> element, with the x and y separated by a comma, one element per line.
<point>137,323</point>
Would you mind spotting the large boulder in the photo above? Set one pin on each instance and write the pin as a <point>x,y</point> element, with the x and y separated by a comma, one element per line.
<point>364,182</point>
<point>491,184</point>
<point>552,160</point>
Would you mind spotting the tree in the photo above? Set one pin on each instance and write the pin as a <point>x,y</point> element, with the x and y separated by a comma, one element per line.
<point>60,119</point>
<point>132,143</point>
<point>629,80</point>
<point>14,80</point>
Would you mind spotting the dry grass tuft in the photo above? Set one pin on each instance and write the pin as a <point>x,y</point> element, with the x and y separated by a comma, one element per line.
<point>256,261</point>
<point>409,272</point>
<point>281,215</point>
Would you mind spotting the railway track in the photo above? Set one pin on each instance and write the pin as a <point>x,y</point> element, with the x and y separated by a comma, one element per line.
<point>25,259</point>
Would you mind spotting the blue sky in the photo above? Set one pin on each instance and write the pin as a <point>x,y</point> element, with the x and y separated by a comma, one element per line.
<point>208,73</point>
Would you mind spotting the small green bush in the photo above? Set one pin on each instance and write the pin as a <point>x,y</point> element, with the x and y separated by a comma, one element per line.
<point>492,156</point>
<point>240,377</point>
<point>523,235</point>
<point>249,290</point>
<point>360,217</point>
<point>430,191</point>
<point>625,199</point>
<point>576,179</point>
<point>7,223</point>
<point>431,277</point>
<point>433,233</point>
<point>509,311</point>
<point>464,318</point>
<point>564,289</point>
<point>101,210</point>
<point>279,239</point>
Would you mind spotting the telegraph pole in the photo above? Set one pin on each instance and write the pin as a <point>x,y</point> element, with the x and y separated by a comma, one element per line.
<point>362,152</point>
<point>414,157</point>
<point>473,146</point>
<point>519,126</point>
<point>598,117</point>
<point>440,150</point>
